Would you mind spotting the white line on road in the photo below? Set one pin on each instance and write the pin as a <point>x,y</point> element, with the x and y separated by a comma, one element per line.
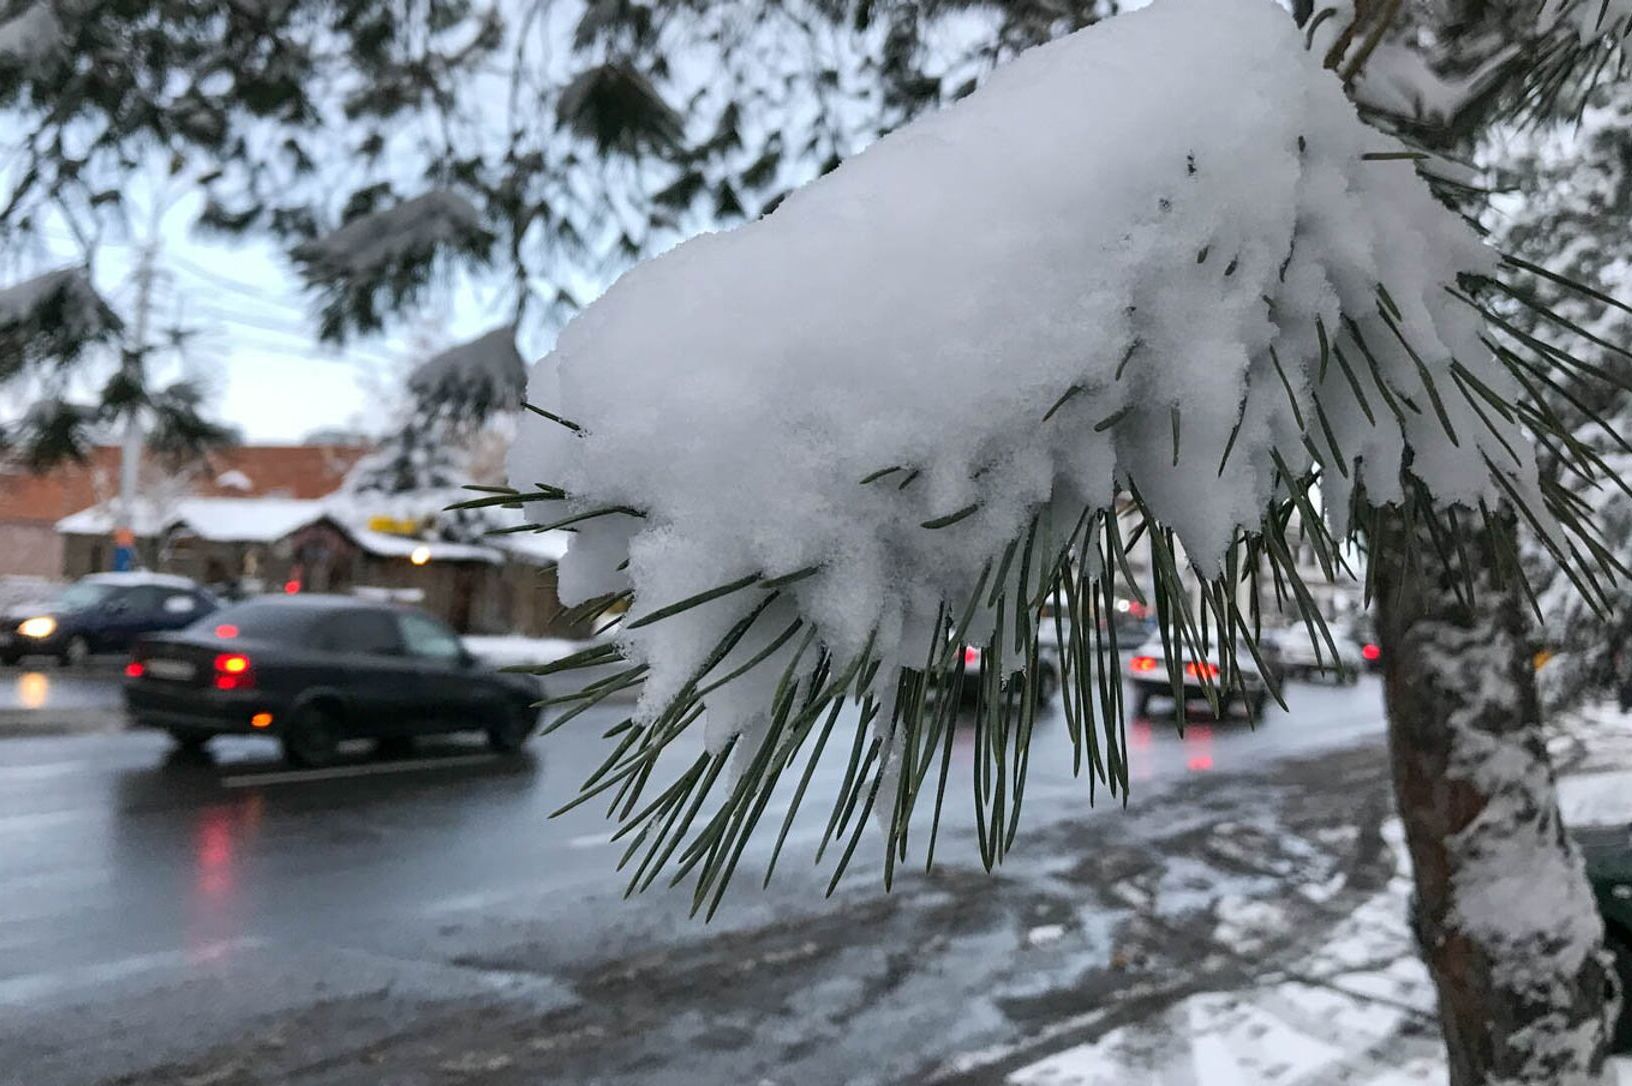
<point>298,776</point>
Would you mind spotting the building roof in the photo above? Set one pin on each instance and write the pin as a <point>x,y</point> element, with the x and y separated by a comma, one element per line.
<point>288,471</point>
<point>264,520</point>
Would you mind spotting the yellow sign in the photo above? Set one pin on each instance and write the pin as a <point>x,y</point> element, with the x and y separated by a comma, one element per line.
<point>393,525</point>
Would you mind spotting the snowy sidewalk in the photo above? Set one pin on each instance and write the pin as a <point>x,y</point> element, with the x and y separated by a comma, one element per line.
<point>1360,1009</point>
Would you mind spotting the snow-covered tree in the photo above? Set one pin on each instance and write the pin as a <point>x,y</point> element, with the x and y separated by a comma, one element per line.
<point>1567,205</point>
<point>946,385</point>
<point>458,401</point>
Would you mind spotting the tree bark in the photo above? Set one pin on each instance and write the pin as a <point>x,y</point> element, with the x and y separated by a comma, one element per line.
<point>1502,911</point>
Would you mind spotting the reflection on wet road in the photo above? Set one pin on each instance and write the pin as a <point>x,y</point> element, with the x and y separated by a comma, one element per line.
<point>126,874</point>
<point>51,687</point>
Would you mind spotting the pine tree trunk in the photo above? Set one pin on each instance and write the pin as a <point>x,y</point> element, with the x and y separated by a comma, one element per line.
<point>1503,914</point>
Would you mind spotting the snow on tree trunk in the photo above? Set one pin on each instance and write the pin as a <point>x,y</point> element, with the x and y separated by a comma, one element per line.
<point>1503,911</point>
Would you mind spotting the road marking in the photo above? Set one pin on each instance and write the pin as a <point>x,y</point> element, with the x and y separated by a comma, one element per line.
<point>298,776</point>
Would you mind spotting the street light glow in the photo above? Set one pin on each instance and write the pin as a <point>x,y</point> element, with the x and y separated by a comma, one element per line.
<point>421,555</point>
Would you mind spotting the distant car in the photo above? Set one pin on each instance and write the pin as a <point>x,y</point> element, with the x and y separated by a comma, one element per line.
<point>102,613</point>
<point>1371,653</point>
<point>1301,658</point>
<point>1146,673</point>
<point>1047,677</point>
<point>1608,853</point>
<point>315,670</point>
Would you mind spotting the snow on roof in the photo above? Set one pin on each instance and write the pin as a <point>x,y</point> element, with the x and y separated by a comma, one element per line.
<point>395,546</point>
<point>141,576</point>
<point>100,519</point>
<point>263,520</point>
<point>247,520</point>
<point>220,520</point>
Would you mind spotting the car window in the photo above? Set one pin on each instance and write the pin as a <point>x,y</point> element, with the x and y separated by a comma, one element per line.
<point>426,637</point>
<point>269,619</point>
<point>370,632</point>
<point>143,600</point>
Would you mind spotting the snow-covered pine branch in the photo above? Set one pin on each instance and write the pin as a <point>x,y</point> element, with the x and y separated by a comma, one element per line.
<point>53,316</point>
<point>378,261</point>
<point>902,412</point>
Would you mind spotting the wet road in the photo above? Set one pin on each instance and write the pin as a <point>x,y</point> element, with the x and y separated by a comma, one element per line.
<point>151,912</point>
<point>50,688</point>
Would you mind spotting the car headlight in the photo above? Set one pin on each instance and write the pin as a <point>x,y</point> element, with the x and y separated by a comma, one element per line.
<point>42,627</point>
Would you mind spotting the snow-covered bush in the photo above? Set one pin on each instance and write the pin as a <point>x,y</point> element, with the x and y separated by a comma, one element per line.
<point>1153,278</point>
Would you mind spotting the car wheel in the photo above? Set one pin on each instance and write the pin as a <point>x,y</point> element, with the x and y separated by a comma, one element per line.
<point>1621,947</point>
<point>511,736</point>
<point>1141,702</point>
<point>76,652</point>
<point>11,659</point>
<point>312,738</point>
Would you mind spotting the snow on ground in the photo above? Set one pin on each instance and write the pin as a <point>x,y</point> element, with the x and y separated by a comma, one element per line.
<point>1359,1011</point>
<point>1591,747</point>
<point>1597,799</point>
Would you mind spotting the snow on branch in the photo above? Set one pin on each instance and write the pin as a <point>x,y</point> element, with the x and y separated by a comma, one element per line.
<point>473,379</point>
<point>380,261</point>
<point>31,35</point>
<point>1152,279</point>
<point>52,317</point>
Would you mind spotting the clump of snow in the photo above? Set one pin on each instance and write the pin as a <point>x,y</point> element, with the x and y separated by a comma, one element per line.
<point>1151,226</point>
<point>64,298</point>
<point>372,243</point>
<point>233,479</point>
<point>31,35</point>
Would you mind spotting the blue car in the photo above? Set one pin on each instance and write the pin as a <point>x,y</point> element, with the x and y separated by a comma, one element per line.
<point>102,613</point>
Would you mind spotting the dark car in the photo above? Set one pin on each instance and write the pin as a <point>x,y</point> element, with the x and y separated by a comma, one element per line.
<point>105,612</point>
<point>316,670</point>
<point>1608,853</point>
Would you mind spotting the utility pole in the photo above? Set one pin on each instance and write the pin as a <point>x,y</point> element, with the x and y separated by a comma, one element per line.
<point>130,453</point>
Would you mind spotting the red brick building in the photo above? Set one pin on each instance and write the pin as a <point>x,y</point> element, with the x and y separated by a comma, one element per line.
<point>31,505</point>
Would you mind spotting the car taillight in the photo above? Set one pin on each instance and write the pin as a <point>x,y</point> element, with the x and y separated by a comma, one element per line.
<point>1142,663</point>
<point>1201,671</point>
<point>1372,652</point>
<point>134,670</point>
<point>291,588</point>
<point>233,672</point>
<point>971,656</point>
